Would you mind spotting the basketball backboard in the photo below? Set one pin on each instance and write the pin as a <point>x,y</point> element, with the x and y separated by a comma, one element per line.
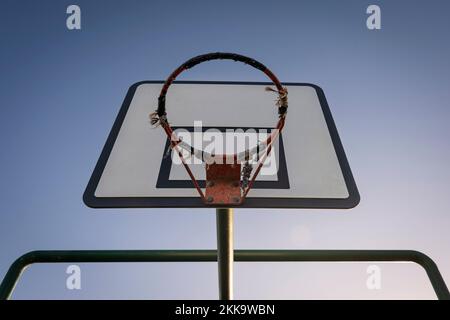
<point>307,168</point>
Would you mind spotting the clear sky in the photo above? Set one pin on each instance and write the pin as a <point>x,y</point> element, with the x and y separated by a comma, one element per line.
<point>388,91</point>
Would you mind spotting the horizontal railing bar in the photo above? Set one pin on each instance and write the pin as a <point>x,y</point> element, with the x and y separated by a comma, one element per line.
<point>114,256</point>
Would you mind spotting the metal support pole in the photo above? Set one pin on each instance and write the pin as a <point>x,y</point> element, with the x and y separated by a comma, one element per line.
<point>225,252</point>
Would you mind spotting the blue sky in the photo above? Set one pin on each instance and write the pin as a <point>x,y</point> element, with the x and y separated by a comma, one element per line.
<point>387,89</point>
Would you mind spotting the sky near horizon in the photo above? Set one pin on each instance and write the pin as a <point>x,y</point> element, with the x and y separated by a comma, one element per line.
<point>388,91</point>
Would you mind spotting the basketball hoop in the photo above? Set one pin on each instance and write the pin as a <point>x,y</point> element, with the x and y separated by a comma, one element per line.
<point>229,177</point>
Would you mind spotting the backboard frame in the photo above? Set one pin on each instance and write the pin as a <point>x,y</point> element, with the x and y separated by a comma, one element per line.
<point>92,201</point>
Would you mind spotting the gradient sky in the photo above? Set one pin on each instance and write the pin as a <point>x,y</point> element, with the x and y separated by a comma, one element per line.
<point>388,91</point>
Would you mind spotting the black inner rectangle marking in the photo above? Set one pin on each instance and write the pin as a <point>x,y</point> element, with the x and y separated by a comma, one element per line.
<point>164,181</point>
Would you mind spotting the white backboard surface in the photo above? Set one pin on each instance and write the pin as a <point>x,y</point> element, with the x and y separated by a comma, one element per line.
<point>136,170</point>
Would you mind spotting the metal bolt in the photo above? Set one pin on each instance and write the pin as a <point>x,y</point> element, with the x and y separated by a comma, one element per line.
<point>210,199</point>
<point>210,183</point>
<point>236,199</point>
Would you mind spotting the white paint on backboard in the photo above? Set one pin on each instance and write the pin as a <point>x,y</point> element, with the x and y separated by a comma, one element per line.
<point>133,166</point>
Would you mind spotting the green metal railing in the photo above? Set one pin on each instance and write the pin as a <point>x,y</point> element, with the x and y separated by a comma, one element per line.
<point>96,256</point>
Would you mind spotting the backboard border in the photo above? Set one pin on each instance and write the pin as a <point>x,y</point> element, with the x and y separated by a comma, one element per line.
<point>92,201</point>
